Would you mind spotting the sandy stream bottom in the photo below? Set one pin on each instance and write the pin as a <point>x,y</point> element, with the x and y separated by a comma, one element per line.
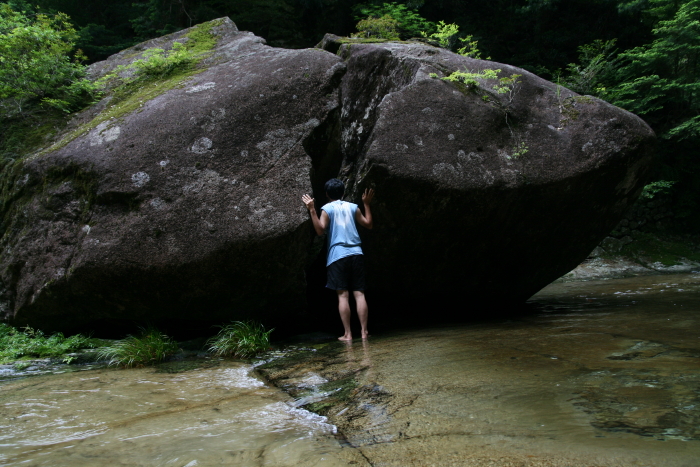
<point>605,373</point>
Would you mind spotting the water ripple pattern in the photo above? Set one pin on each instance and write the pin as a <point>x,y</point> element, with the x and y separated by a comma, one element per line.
<point>223,415</point>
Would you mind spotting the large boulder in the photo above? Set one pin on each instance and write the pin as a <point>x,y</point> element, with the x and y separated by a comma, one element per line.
<point>187,206</point>
<point>487,190</point>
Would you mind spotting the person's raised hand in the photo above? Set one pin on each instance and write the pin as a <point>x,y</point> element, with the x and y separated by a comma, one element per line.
<point>308,201</point>
<point>368,195</point>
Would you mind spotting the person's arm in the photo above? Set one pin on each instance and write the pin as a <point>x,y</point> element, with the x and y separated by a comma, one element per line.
<point>365,220</point>
<point>320,224</point>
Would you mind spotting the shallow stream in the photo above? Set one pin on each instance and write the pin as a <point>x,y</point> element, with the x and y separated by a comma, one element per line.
<point>600,373</point>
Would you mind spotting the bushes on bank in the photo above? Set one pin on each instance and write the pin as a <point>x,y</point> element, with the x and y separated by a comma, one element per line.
<point>38,66</point>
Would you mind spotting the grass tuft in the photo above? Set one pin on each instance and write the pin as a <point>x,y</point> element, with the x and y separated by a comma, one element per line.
<point>148,348</point>
<point>240,339</point>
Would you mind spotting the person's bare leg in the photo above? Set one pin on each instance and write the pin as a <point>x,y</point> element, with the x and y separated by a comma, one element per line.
<point>344,309</point>
<point>362,311</point>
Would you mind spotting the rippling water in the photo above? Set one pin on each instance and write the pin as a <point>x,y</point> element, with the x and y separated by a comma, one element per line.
<point>210,416</point>
<point>603,373</point>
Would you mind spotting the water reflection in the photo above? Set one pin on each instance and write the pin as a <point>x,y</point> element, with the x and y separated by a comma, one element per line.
<point>360,360</point>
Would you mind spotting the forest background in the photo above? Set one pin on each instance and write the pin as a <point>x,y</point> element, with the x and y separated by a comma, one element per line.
<point>642,55</point>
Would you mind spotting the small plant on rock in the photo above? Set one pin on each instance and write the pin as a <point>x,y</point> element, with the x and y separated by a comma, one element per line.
<point>148,348</point>
<point>240,339</point>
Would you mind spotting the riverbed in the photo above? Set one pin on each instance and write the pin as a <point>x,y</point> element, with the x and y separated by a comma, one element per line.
<point>597,373</point>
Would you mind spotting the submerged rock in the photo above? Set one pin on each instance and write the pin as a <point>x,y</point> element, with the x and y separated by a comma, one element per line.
<point>187,206</point>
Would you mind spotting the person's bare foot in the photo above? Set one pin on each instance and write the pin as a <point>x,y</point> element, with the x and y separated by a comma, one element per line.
<point>365,335</point>
<point>345,338</point>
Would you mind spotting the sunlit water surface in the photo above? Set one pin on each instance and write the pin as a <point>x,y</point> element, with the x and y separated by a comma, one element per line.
<point>604,373</point>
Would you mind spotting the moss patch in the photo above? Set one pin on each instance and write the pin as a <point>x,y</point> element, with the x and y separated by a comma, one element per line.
<point>648,249</point>
<point>24,136</point>
<point>583,99</point>
<point>341,388</point>
<point>132,95</point>
<point>336,392</point>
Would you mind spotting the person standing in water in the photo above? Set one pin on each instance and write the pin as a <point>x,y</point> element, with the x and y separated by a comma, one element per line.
<point>345,265</point>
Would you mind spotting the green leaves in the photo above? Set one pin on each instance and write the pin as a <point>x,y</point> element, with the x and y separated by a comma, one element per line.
<point>664,74</point>
<point>660,81</point>
<point>408,23</point>
<point>655,188</point>
<point>504,85</point>
<point>381,28</point>
<point>443,34</point>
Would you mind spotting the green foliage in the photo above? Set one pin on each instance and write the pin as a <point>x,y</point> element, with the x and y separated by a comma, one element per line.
<point>504,85</point>
<point>16,344</point>
<point>36,69</point>
<point>447,36</point>
<point>664,74</point>
<point>470,48</point>
<point>659,81</point>
<point>155,64</point>
<point>158,64</point>
<point>471,80</point>
<point>596,64</point>
<point>520,150</point>
<point>381,28</point>
<point>443,34</point>
<point>660,187</point>
<point>240,339</point>
<point>148,348</point>
<point>409,23</point>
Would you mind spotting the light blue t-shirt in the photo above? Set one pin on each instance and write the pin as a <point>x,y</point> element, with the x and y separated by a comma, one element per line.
<point>343,239</point>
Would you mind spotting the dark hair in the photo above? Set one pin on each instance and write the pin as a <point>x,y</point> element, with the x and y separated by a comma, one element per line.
<point>334,188</point>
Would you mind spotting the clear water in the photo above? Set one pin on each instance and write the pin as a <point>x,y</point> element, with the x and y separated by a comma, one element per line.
<point>603,373</point>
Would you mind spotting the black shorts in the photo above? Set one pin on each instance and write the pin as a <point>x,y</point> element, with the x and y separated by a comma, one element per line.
<point>347,273</point>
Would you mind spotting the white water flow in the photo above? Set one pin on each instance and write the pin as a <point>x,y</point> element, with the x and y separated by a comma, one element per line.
<point>211,416</point>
